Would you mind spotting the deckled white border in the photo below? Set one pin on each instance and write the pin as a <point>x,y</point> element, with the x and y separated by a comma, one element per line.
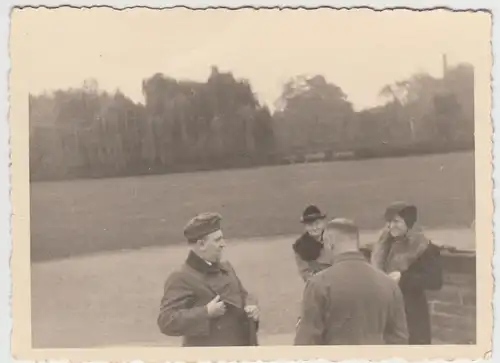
<point>5,244</point>
<point>5,207</point>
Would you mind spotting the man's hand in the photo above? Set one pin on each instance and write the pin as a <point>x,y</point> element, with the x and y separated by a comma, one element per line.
<point>216,307</point>
<point>252,312</point>
<point>395,275</point>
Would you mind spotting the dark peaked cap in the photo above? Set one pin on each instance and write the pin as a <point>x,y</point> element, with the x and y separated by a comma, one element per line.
<point>202,225</point>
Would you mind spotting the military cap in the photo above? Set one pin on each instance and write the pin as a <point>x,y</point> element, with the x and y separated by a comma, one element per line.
<point>202,225</point>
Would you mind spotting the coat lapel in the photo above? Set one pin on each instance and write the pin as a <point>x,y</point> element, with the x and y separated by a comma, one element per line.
<point>215,279</point>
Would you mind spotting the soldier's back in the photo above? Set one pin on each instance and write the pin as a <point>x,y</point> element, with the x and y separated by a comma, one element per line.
<point>359,297</point>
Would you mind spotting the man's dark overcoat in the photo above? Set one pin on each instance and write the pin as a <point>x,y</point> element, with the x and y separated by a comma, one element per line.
<point>183,306</point>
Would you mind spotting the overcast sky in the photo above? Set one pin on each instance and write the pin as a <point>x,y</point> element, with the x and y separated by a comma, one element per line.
<point>360,50</point>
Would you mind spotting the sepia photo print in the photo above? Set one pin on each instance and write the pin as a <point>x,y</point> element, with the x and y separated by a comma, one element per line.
<point>252,184</point>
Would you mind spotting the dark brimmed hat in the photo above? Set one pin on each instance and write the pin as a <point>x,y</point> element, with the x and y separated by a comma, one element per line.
<point>202,225</point>
<point>406,211</point>
<point>311,214</point>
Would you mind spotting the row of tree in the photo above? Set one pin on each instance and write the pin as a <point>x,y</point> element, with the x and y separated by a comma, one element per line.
<point>420,112</point>
<point>185,125</point>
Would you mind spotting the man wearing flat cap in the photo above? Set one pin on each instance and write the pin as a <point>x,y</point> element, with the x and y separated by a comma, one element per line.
<point>204,301</point>
<point>311,256</point>
<point>351,302</point>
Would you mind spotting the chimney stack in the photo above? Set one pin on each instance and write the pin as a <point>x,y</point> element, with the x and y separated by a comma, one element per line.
<point>445,65</point>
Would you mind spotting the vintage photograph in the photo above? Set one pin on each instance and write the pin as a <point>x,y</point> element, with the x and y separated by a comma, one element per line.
<point>271,183</point>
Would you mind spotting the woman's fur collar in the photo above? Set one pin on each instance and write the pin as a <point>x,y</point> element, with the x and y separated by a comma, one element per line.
<point>390,256</point>
<point>307,247</point>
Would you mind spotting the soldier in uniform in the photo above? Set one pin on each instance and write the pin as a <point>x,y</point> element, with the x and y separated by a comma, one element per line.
<point>204,301</point>
<point>311,255</point>
<point>351,302</point>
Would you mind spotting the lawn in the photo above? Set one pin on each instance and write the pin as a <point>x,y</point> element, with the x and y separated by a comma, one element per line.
<point>71,218</point>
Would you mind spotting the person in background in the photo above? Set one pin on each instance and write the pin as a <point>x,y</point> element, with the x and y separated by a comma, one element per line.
<point>204,301</point>
<point>351,302</point>
<point>311,255</point>
<point>411,259</point>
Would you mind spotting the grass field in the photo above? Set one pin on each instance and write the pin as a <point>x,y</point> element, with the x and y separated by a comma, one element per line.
<point>87,216</point>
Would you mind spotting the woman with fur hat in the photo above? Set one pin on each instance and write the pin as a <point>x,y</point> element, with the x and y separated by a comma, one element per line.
<point>310,253</point>
<point>409,257</point>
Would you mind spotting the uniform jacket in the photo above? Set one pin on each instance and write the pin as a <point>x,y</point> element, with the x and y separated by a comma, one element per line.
<point>351,303</point>
<point>183,306</point>
<point>310,256</point>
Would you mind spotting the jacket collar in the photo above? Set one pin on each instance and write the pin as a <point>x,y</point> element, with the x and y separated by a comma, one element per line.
<point>349,256</point>
<point>197,263</point>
